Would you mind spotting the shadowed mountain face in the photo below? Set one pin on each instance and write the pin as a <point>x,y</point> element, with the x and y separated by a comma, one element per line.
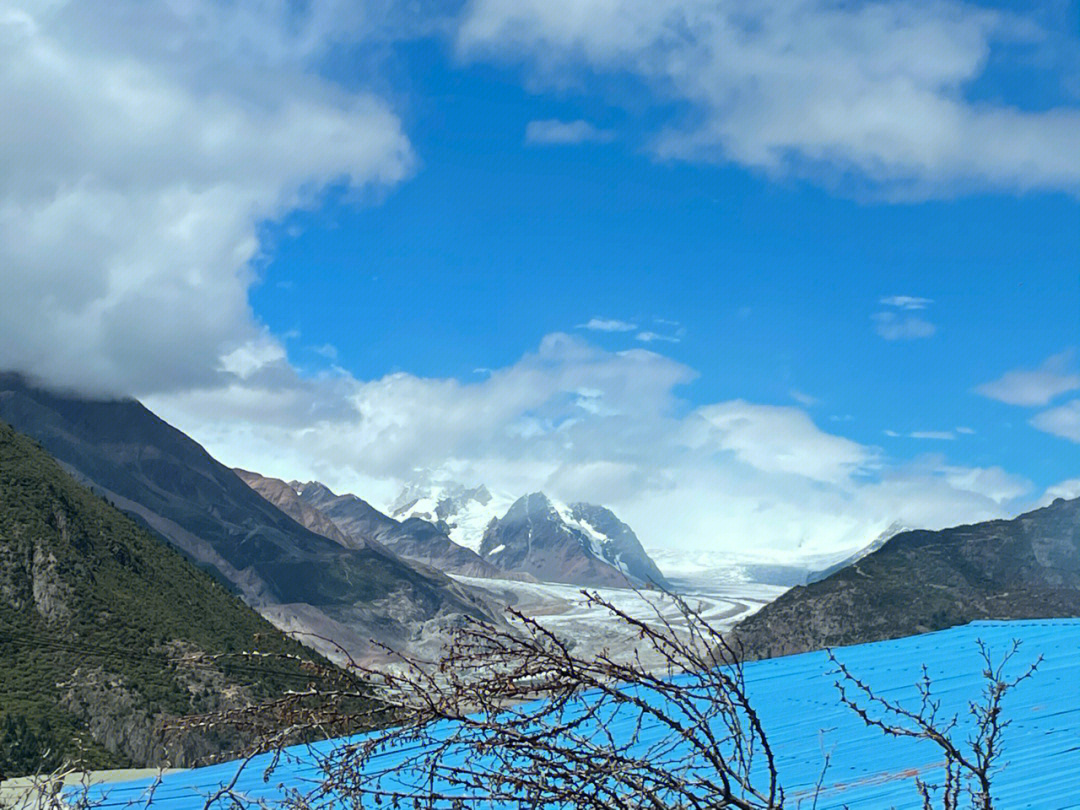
<point>357,518</point>
<point>1028,567</point>
<point>618,544</point>
<point>94,611</point>
<point>284,497</point>
<point>534,537</point>
<point>413,538</point>
<point>300,579</point>
<point>419,540</point>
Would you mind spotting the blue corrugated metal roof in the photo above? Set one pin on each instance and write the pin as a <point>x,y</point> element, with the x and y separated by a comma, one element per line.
<point>797,702</point>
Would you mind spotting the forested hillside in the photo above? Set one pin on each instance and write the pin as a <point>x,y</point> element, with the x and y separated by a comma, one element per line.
<point>105,629</point>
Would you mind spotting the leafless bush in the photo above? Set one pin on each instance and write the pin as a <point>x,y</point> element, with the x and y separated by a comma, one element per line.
<point>969,761</point>
<point>514,718</point>
<point>62,788</point>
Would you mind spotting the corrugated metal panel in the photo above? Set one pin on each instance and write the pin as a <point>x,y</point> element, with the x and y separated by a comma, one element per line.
<point>797,702</point>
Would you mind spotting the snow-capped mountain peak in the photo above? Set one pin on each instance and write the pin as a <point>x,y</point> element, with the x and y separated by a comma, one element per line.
<point>577,543</point>
<point>550,539</point>
<point>461,511</point>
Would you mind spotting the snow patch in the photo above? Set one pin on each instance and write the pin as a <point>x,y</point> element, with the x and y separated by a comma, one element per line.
<point>599,543</point>
<point>466,511</point>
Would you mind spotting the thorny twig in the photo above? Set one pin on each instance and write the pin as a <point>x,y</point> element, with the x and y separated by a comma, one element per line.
<point>970,763</point>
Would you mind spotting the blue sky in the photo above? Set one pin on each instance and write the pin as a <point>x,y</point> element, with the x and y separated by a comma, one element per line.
<point>761,278</point>
<point>767,288</point>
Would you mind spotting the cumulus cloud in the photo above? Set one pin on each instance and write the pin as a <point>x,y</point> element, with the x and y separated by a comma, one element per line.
<point>893,326</point>
<point>143,145</point>
<point>608,325</point>
<point>1030,387</point>
<point>993,482</point>
<point>584,423</point>
<point>776,439</point>
<point>939,435</point>
<point>253,356</point>
<point>1063,421</point>
<point>874,91</point>
<point>552,132</point>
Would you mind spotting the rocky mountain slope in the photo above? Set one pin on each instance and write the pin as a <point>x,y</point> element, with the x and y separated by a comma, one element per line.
<point>358,519</point>
<point>617,544</point>
<point>537,537</point>
<point>419,540</point>
<point>894,529</point>
<point>285,498</point>
<point>298,579</point>
<point>100,628</point>
<point>355,523</point>
<point>1028,567</point>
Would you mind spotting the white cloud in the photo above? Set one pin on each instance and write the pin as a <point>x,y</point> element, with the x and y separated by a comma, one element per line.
<point>253,356</point>
<point>584,423</point>
<point>608,325</point>
<point>872,91</point>
<point>803,398</point>
<point>673,332</point>
<point>327,350</point>
<point>992,482</point>
<point>143,145</point>
<point>652,337</point>
<point>776,439</point>
<point>892,326</point>
<point>1030,387</point>
<point>1063,421</point>
<point>552,132</point>
<point>1067,489</point>
<point>966,431</point>
<point>906,302</point>
<point>401,421</point>
<point>942,435</point>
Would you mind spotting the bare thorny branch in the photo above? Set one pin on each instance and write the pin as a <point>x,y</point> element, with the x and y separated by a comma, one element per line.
<point>330,701</point>
<point>512,717</point>
<point>970,762</point>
